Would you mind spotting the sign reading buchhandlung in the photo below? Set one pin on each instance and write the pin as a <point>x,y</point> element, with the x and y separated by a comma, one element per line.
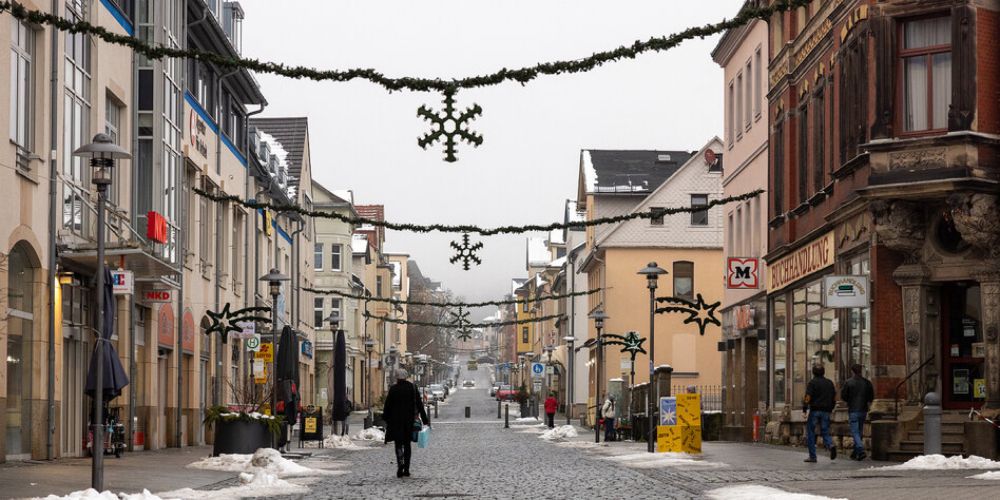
<point>814,256</point>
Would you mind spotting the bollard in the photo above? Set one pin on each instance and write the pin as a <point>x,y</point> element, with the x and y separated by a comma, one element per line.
<point>932,424</point>
<point>498,408</point>
<point>468,412</point>
<point>435,409</point>
<point>506,417</point>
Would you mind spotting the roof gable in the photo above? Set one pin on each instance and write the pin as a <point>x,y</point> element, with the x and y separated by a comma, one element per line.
<point>292,134</point>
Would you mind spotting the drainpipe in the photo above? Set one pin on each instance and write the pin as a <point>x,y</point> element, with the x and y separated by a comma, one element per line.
<point>295,274</point>
<point>219,113</point>
<point>133,351</point>
<point>250,221</point>
<point>53,171</point>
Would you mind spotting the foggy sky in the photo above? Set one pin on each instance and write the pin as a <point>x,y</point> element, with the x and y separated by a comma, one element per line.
<point>365,139</point>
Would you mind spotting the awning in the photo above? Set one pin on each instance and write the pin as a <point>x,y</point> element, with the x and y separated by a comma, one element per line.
<point>145,266</point>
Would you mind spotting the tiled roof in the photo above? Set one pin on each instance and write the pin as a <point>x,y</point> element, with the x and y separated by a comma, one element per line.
<point>291,133</point>
<point>628,171</point>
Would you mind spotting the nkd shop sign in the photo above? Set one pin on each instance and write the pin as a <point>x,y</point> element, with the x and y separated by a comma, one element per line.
<point>814,256</point>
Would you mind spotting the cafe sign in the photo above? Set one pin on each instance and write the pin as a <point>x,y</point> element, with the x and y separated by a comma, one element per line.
<point>814,256</point>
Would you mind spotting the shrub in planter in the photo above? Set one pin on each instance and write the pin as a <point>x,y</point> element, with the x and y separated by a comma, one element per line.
<point>241,432</point>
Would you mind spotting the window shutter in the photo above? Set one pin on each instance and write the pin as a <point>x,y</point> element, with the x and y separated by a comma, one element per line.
<point>883,30</point>
<point>963,68</point>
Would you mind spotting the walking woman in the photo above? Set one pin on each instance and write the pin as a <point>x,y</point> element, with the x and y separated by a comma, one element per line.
<point>401,412</point>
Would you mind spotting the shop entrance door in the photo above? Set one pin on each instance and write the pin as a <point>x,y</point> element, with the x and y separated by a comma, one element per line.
<point>963,380</point>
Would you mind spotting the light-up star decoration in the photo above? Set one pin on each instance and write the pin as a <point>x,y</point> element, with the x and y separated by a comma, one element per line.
<point>631,342</point>
<point>226,321</point>
<point>698,311</point>
<point>460,321</point>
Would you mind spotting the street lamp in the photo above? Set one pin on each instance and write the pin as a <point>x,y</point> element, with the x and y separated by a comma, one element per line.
<point>652,273</point>
<point>598,316</point>
<point>102,153</point>
<point>369,347</point>
<point>548,376</point>
<point>569,380</point>
<point>334,320</point>
<point>273,278</point>
<point>392,364</point>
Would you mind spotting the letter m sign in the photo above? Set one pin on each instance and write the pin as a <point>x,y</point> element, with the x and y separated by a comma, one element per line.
<point>742,273</point>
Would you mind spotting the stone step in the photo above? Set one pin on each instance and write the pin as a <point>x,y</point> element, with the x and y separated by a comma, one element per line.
<point>949,436</point>
<point>946,447</point>
<point>946,428</point>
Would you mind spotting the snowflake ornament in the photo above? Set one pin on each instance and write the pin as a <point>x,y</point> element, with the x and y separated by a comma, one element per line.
<point>460,320</point>
<point>466,252</point>
<point>449,126</point>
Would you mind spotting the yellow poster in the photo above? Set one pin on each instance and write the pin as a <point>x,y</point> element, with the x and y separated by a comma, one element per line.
<point>979,388</point>
<point>689,410</point>
<point>259,373</point>
<point>677,439</point>
<point>310,425</point>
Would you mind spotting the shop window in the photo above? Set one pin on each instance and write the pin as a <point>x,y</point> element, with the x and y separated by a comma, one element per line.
<point>925,58</point>
<point>859,322</point>
<point>684,280</point>
<point>813,340</point>
<point>780,348</point>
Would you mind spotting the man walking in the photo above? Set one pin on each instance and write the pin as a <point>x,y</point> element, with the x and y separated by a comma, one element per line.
<point>819,401</point>
<point>858,393</point>
<point>608,412</point>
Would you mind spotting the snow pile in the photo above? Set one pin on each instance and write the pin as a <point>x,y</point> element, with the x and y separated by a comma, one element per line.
<point>941,462</point>
<point>370,434</point>
<point>531,429</point>
<point>92,494</point>
<point>758,492</point>
<point>653,460</point>
<point>991,476</point>
<point>341,443</point>
<point>252,484</point>
<point>264,460</point>
<point>526,419</point>
<point>561,432</point>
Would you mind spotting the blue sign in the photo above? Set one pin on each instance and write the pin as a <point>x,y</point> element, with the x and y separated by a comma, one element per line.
<point>307,349</point>
<point>668,411</point>
<point>537,369</point>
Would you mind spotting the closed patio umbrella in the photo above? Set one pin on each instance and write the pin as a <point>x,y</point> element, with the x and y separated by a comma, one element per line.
<point>339,378</point>
<point>286,373</point>
<point>115,378</point>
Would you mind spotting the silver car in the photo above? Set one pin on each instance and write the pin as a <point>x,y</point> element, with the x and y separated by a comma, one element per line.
<point>437,392</point>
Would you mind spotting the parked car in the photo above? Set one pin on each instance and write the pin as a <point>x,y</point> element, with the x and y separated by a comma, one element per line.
<point>493,390</point>
<point>437,392</point>
<point>469,383</point>
<point>506,393</point>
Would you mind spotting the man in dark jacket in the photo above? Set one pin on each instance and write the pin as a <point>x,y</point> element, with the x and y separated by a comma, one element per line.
<point>858,393</point>
<point>402,408</point>
<point>819,401</point>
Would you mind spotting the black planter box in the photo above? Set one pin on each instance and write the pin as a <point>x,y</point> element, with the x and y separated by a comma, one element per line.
<point>240,437</point>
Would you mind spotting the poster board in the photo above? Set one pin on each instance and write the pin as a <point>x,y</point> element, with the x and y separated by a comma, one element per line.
<point>680,429</point>
<point>311,425</point>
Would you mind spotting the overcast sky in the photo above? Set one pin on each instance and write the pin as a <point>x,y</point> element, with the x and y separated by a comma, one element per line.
<point>365,139</point>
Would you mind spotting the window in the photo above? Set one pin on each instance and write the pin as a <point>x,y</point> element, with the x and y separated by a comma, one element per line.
<point>524,335</point>
<point>335,309</point>
<point>779,167</point>
<point>757,98</point>
<point>853,98</point>
<point>657,219</point>
<point>779,315</point>
<point>803,145</point>
<point>731,114</point>
<point>318,316</point>
<point>684,279</point>
<point>699,217</point>
<point>76,113</point>
<point>22,47</point>
<point>335,257</point>
<point>738,111</point>
<point>378,286</point>
<point>112,127</point>
<point>205,226</point>
<point>318,256</point>
<point>748,99</point>
<point>238,227</point>
<point>819,140</point>
<point>926,63</point>
<point>859,321</point>
<point>524,305</point>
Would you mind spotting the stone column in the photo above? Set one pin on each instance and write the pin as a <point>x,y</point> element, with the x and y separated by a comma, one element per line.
<point>989,283</point>
<point>920,329</point>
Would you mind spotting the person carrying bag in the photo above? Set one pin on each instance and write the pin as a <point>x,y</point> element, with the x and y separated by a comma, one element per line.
<point>404,417</point>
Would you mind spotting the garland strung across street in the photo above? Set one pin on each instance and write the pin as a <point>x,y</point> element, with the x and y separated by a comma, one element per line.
<point>653,213</point>
<point>465,305</point>
<point>467,325</point>
<point>448,125</point>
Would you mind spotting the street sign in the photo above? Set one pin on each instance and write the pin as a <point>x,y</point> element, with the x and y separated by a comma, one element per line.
<point>265,353</point>
<point>845,291</point>
<point>122,282</point>
<point>537,369</point>
<point>742,273</point>
<point>154,296</point>
<point>249,330</point>
<point>253,343</point>
<point>537,386</point>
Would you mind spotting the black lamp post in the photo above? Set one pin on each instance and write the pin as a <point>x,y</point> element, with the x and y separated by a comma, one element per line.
<point>334,320</point>
<point>102,152</point>
<point>570,353</point>
<point>598,316</point>
<point>369,347</point>
<point>652,273</point>
<point>274,279</point>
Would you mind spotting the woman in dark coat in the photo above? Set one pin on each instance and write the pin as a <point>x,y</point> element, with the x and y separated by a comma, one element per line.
<point>402,407</point>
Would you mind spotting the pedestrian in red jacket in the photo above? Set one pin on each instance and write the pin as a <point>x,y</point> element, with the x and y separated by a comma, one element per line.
<point>550,410</point>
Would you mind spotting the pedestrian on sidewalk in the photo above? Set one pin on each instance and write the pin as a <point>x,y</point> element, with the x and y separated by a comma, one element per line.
<point>550,410</point>
<point>401,412</point>
<point>858,393</point>
<point>818,401</point>
<point>609,413</point>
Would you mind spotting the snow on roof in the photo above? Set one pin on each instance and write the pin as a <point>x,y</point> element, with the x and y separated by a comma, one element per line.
<point>359,243</point>
<point>538,252</point>
<point>516,283</point>
<point>573,213</point>
<point>556,237</point>
<point>276,148</point>
<point>539,280</point>
<point>589,173</point>
<point>345,194</point>
<point>561,261</point>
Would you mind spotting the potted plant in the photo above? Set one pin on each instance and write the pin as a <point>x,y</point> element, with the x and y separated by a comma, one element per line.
<point>242,427</point>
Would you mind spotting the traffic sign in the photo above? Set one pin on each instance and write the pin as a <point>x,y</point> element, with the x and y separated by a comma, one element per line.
<point>537,369</point>
<point>265,352</point>
<point>253,343</point>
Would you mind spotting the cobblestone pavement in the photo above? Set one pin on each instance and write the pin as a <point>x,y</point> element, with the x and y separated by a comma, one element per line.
<point>478,458</point>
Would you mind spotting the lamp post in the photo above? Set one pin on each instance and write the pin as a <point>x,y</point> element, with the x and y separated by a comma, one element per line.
<point>570,353</point>
<point>392,364</point>
<point>102,152</point>
<point>369,346</point>
<point>548,376</point>
<point>273,278</point>
<point>334,320</point>
<point>652,273</point>
<point>598,316</point>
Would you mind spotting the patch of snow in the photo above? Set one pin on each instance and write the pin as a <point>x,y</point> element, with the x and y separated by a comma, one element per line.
<point>991,476</point>
<point>941,462</point>
<point>581,444</point>
<point>561,432</point>
<point>259,484</point>
<point>526,419</point>
<point>538,253</point>
<point>341,443</point>
<point>264,460</point>
<point>87,494</point>
<point>758,492</point>
<point>370,434</point>
<point>647,460</point>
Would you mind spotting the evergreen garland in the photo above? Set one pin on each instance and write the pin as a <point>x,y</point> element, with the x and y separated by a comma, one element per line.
<point>520,75</point>
<point>467,325</point>
<point>484,231</point>
<point>464,305</point>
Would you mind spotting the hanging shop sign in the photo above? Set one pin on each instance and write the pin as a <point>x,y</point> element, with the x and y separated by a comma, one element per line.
<point>122,282</point>
<point>845,291</point>
<point>156,227</point>
<point>745,317</point>
<point>307,349</point>
<point>810,258</point>
<point>742,273</point>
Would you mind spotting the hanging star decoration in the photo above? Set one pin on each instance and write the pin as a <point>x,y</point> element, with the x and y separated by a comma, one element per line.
<point>460,320</point>
<point>226,321</point>
<point>631,342</point>
<point>466,252</point>
<point>698,312</point>
<point>449,126</point>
